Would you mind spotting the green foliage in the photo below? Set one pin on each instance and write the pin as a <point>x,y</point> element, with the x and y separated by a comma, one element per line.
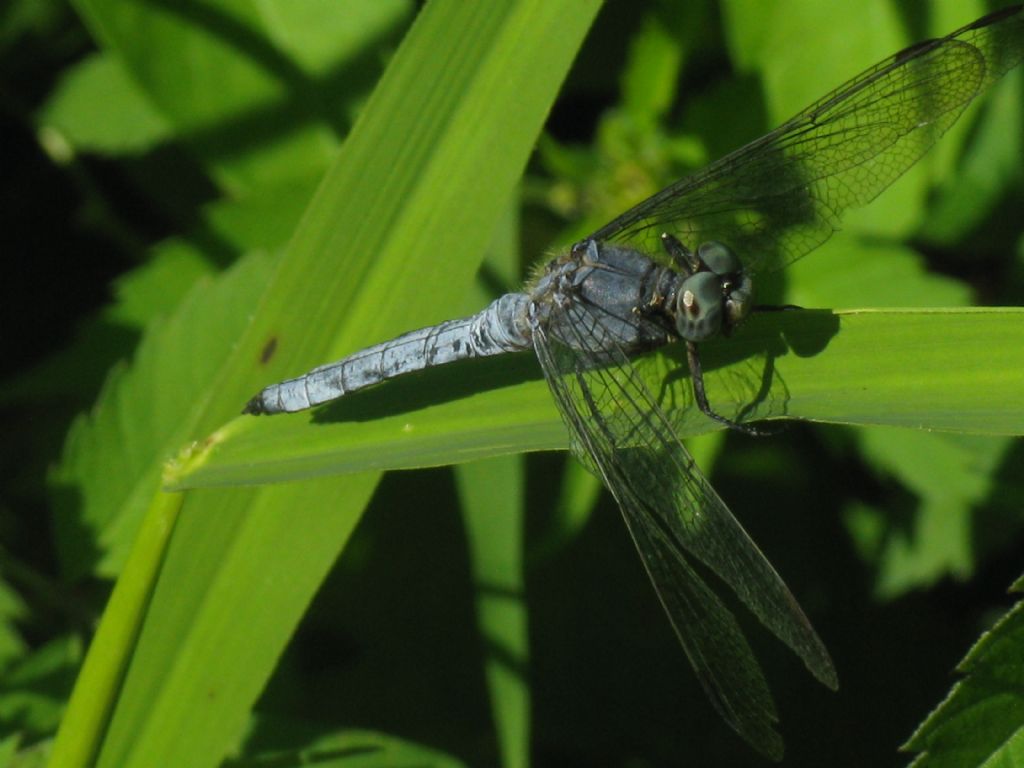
<point>97,107</point>
<point>980,722</point>
<point>263,187</point>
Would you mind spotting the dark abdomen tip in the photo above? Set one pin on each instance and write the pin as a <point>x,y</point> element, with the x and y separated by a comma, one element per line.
<point>255,406</point>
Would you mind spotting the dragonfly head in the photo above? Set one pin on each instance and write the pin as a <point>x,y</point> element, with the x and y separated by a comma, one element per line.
<point>716,298</point>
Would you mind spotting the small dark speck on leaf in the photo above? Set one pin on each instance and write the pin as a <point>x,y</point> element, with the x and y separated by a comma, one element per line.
<point>268,350</point>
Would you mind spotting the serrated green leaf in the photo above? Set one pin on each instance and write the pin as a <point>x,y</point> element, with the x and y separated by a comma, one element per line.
<point>97,107</point>
<point>155,288</point>
<point>34,690</point>
<point>178,358</point>
<point>981,720</point>
<point>141,414</point>
<point>262,221</point>
<point>951,475</point>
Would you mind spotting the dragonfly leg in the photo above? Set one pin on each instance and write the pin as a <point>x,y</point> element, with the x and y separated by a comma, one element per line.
<point>776,307</point>
<point>697,375</point>
<point>655,313</point>
<point>684,259</point>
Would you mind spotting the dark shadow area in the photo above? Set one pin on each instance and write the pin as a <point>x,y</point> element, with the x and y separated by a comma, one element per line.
<point>983,255</point>
<point>303,756</point>
<point>997,524</point>
<point>76,548</point>
<point>765,337</point>
<point>508,659</point>
<point>390,642</point>
<point>807,332</point>
<point>492,282</point>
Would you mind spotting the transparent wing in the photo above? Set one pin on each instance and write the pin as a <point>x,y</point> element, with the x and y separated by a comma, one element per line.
<point>776,199</point>
<point>673,513</point>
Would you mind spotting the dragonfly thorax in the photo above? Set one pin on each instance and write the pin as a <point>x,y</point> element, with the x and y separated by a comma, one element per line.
<point>716,297</point>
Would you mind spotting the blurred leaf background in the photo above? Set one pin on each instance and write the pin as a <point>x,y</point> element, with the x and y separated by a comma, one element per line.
<point>495,613</point>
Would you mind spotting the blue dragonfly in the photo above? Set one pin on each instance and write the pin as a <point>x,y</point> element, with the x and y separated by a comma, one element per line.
<point>680,267</point>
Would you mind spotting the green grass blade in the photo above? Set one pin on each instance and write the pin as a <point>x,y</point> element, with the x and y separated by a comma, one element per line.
<point>956,370</point>
<point>492,498</point>
<point>494,510</point>
<point>95,695</point>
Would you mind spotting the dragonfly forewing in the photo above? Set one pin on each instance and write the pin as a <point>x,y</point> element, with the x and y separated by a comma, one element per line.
<point>673,513</point>
<point>781,196</point>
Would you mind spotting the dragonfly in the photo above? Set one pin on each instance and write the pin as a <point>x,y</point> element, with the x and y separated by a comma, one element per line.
<point>680,267</point>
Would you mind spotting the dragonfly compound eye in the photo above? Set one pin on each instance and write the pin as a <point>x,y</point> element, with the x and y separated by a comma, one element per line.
<point>739,300</point>
<point>719,258</point>
<point>699,306</point>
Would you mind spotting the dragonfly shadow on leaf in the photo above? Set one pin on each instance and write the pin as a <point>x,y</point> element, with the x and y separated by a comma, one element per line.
<point>741,376</point>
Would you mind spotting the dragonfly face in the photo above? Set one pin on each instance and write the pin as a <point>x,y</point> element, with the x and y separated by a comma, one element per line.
<point>716,297</point>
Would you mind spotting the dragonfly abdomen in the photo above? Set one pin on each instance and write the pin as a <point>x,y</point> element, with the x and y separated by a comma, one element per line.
<point>499,328</point>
